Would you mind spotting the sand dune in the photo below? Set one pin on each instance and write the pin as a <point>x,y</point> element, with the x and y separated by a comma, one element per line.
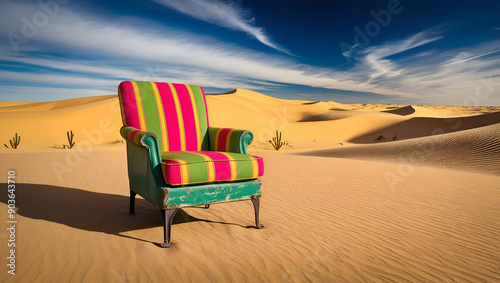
<point>326,219</point>
<point>476,149</point>
<point>51,105</point>
<point>426,111</point>
<point>403,111</point>
<point>305,125</point>
<point>422,208</point>
<point>44,124</point>
<point>423,127</point>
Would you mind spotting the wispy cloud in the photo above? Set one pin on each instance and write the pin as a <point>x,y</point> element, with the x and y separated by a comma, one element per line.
<point>462,76</point>
<point>376,57</point>
<point>228,15</point>
<point>94,52</point>
<point>464,57</point>
<point>207,60</point>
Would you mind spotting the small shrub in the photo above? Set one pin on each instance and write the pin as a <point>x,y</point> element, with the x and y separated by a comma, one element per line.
<point>276,141</point>
<point>70,140</point>
<point>15,142</point>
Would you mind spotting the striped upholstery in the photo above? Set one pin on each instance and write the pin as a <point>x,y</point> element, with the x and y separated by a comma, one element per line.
<point>225,139</point>
<point>133,135</point>
<point>175,113</point>
<point>191,151</point>
<point>190,167</point>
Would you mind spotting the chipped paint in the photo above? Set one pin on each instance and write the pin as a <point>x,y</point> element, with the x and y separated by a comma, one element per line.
<point>212,193</point>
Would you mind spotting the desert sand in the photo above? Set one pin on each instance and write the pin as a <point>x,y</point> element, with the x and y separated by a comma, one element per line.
<point>360,193</point>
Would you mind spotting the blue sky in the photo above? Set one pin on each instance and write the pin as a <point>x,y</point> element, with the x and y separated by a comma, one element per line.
<point>391,51</point>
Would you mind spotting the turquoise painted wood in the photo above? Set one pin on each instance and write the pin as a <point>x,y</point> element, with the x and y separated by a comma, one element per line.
<point>213,193</point>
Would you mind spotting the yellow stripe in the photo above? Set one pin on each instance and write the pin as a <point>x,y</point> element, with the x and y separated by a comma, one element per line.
<point>255,166</point>
<point>196,118</point>
<point>184,171</point>
<point>228,139</point>
<point>216,144</point>
<point>140,108</point>
<point>161,114</point>
<point>178,109</point>
<point>210,166</point>
<point>234,167</point>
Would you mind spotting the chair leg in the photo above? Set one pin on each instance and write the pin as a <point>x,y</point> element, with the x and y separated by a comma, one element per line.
<point>168,216</point>
<point>207,206</point>
<point>256,205</point>
<point>132,201</point>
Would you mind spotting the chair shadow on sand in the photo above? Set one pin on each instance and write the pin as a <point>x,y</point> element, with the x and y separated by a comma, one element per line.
<point>91,211</point>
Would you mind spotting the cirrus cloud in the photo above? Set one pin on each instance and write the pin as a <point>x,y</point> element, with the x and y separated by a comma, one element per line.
<point>228,15</point>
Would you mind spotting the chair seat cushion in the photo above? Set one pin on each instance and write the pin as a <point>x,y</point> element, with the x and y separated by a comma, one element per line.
<point>202,167</point>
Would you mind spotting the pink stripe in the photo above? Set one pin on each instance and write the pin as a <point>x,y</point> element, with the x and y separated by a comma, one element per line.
<point>172,173</point>
<point>221,146</point>
<point>222,167</point>
<point>132,133</point>
<point>126,91</point>
<point>174,140</point>
<point>260,162</point>
<point>188,117</point>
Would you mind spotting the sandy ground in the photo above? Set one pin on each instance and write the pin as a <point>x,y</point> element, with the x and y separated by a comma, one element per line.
<point>339,203</point>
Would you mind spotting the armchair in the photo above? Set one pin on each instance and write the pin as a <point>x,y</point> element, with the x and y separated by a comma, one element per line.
<point>175,159</point>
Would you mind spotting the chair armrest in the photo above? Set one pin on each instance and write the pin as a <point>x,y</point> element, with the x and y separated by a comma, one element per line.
<point>144,164</point>
<point>143,139</point>
<point>229,139</point>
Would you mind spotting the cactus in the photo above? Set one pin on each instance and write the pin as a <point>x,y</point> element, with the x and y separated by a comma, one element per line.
<point>70,140</point>
<point>276,142</point>
<point>15,142</point>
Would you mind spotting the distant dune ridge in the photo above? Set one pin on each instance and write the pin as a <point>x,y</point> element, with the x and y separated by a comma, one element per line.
<point>361,192</point>
<point>98,119</point>
<point>474,149</point>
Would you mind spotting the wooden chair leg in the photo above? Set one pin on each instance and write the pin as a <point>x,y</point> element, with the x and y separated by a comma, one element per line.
<point>168,217</point>
<point>256,205</point>
<point>132,201</point>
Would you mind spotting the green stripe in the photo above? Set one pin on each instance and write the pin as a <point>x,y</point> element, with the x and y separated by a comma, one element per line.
<point>150,109</point>
<point>234,141</point>
<point>202,115</point>
<point>244,166</point>
<point>211,135</point>
<point>197,165</point>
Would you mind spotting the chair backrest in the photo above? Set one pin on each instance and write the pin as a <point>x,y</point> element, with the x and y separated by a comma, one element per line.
<point>175,113</point>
